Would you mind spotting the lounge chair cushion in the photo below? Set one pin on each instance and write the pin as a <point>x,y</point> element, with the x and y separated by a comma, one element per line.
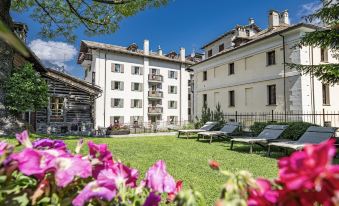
<point>211,133</point>
<point>191,130</point>
<point>249,140</point>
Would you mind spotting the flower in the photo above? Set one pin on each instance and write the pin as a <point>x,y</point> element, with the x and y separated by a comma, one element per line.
<point>4,147</point>
<point>152,200</point>
<point>214,164</point>
<point>24,139</point>
<point>49,144</point>
<point>118,175</point>
<point>93,190</point>
<point>264,195</point>
<point>301,169</point>
<point>178,187</point>
<point>79,146</point>
<point>101,157</point>
<point>66,168</point>
<point>159,180</point>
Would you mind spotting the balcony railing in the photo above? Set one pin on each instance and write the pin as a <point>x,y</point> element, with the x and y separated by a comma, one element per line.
<point>155,77</point>
<point>84,56</point>
<point>155,110</point>
<point>155,94</point>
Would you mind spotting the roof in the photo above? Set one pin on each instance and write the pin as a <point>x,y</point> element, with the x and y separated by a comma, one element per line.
<point>230,32</point>
<point>85,45</point>
<point>73,81</point>
<point>262,35</point>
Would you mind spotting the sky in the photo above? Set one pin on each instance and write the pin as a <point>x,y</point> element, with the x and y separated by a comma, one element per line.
<point>181,23</point>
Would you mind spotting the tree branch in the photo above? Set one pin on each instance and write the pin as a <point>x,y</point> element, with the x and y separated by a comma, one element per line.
<point>48,14</point>
<point>116,2</point>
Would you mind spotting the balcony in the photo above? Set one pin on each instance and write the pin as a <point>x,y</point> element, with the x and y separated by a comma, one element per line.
<point>84,57</point>
<point>155,94</point>
<point>155,110</point>
<point>155,78</point>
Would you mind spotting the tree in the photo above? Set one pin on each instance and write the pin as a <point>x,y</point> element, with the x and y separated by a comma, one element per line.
<point>25,91</point>
<point>323,38</point>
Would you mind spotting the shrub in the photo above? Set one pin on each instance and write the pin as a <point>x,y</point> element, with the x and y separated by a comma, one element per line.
<point>293,132</point>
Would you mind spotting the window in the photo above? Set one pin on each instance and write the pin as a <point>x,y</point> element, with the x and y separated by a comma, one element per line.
<point>136,70</point>
<point>172,74</point>
<point>231,69</point>
<point>323,55</point>
<point>209,53</point>
<point>221,47</point>
<point>204,78</point>
<point>117,85</point>
<point>136,120</point>
<point>172,119</point>
<point>172,89</point>
<point>247,32</point>
<point>136,103</point>
<point>204,99</point>
<point>271,95</point>
<point>155,71</point>
<point>172,104</point>
<point>189,111</point>
<point>326,94</point>
<point>270,58</point>
<point>189,97</point>
<point>136,87</point>
<point>117,68</point>
<point>231,98</point>
<point>93,77</point>
<point>117,103</point>
<point>248,96</point>
<point>57,108</point>
<point>116,120</point>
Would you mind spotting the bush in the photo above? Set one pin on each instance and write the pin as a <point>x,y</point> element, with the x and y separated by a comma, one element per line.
<point>293,132</point>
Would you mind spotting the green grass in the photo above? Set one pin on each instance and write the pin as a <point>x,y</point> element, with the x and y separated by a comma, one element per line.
<point>187,159</point>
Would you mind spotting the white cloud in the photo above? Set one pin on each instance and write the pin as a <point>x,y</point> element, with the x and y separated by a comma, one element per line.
<point>310,8</point>
<point>53,52</point>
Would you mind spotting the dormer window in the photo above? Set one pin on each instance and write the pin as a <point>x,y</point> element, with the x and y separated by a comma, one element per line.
<point>171,55</point>
<point>209,53</point>
<point>133,47</point>
<point>221,47</point>
<point>247,32</point>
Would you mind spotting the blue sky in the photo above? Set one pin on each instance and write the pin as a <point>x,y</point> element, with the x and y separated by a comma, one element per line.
<point>182,23</point>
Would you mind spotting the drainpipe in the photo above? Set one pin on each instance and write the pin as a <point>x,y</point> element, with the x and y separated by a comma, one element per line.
<point>105,92</point>
<point>284,56</point>
<point>313,100</point>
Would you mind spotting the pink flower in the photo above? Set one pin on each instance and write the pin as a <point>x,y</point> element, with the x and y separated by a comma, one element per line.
<point>117,175</point>
<point>67,167</point>
<point>159,180</point>
<point>264,195</point>
<point>23,139</point>
<point>214,164</point>
<point>178,187</point>
<point>4,147</point>
<point>79,146</point>
<point>302,168</point>
<point>49,144</point>
<point>152,200</point>
<point>93,190</point>
<point>100,156</point>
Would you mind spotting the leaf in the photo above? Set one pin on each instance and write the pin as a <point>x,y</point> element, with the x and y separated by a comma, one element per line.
<point>22,200</point>
<point>12,40</point>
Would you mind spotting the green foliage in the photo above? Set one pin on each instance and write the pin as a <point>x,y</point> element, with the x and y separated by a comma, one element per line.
<point>25,90</point>
<point>63,17</point>
<point>8,36</point>
<point>323,38</point>
<point>293,132</point>
<point>208,115</point>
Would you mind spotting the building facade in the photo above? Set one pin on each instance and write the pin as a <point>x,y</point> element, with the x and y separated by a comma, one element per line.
<point>139,86</point>
<point>250,75</point>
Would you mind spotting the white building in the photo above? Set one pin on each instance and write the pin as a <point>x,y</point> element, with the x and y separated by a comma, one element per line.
<point>244,71</point>
<point>139,86</point>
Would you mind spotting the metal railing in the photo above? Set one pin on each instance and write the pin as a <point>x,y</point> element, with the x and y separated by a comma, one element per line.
<point>321,118</point>
<point>155,77</point>
<point>155,110</point>
<point>155,94</point>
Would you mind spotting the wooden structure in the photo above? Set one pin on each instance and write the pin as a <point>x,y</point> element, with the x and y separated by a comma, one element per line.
<point>70,107</point>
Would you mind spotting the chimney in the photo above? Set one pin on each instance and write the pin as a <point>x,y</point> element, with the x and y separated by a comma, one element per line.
<point>159,50</point>
<point>182,54</point>
<point>273,19</point>
<point>21,29</point>
<point>250,21</point>
<point>146,47</point>
<point>284,18</point>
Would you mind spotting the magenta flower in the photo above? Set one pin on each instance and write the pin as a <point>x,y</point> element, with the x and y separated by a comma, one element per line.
<point>49,144</point>
<point>158,180</point>
<point>3,147</point>
<point>66,168</point>
<point>93,190</point>
<point>79,146</point>
<point>264,195</point>
<point>152,200</point>
<point>117,175</point>
<point>23,139</point>
<point>101,157</point>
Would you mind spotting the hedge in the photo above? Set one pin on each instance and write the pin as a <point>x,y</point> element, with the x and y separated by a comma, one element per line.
<point>293,132</point>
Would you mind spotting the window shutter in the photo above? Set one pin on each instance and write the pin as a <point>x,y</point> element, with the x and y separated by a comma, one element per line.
<point>141,70</point>
<point>132,70</point>
<point>159,86</point>
<point>176,75</point>
<point>175,105</point>
<point>121,103</point>
<point>169,73</point>
<point>169,104</point>
<point>111,119</point>
<point>112,103</point>
<point>140,103</point>
<point>112,85</point>
<point>121,85</point>
<point>121,120</point>
<point>168,119</point>
<point>132,86</point>
<point>141,87</point>
<point>131,120</point>
<point>169,89</point>
<point>132,106</point>
<point>112,67</point>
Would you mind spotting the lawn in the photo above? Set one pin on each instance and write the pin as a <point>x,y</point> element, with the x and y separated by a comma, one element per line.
<point>187,159</point>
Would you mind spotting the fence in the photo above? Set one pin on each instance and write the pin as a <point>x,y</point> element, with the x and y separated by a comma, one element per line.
<point>322,118</point>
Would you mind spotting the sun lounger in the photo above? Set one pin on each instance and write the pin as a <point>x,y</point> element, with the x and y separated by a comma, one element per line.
<point>313,135</point>
<point>270,133</point>
<point>207,127</point>
<point>228,129</point>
